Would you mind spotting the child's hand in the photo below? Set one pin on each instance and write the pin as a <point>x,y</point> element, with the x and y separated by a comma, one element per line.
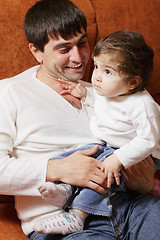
<point>75,89</point>
<point>111,167</point>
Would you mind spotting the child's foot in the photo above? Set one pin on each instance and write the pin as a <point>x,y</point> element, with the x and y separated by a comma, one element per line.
<point>56,194</point>
<point>64,223</point>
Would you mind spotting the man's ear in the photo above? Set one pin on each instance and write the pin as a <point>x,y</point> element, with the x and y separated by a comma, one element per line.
<point>134,82</point>
<point>36,53</point>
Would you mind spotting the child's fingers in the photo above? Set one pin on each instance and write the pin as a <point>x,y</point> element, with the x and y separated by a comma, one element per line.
<point>60,80</point>
<point>109,180</point>
<point>64,86</point>
<point>63,92</point>
<point>117,177</point>
<point>67,82</point>
<point>67,86</point>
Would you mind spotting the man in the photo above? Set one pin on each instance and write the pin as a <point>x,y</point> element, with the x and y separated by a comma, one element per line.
<point>37,124</point>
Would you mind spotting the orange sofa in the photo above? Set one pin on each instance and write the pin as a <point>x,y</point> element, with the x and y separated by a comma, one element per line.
<point>104,17</point>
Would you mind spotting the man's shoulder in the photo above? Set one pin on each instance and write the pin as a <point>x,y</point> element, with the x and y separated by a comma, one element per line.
<point>11,85</point>
<point>25,75</point>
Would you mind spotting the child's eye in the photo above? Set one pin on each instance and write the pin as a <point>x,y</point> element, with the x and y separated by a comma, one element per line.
<point>95,66</point>
<point>108,72</point>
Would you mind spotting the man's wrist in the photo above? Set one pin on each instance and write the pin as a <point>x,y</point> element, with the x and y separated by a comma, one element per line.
<point>52,174</point>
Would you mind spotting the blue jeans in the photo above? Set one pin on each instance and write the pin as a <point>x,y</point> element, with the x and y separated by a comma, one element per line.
<point>135,217</point>
<point>126,215</point>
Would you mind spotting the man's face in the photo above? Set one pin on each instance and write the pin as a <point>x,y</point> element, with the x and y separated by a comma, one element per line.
<point>66,59</point>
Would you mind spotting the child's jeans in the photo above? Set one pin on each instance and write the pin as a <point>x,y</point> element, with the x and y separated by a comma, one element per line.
<point>87,199</point>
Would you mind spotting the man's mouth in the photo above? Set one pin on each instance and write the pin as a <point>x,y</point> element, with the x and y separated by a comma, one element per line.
<point>75,66</point>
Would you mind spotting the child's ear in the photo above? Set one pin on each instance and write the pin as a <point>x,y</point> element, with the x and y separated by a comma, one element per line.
<point>36,53</point>
<point>134,82</point>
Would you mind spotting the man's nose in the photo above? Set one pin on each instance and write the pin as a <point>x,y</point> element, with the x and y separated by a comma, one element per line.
<point>75,55</point>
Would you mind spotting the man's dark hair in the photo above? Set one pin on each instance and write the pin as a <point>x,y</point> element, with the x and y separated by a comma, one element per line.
<point>135,56</point>
<point>52,18</point>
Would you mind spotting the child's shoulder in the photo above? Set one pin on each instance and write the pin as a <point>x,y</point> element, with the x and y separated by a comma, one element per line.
<point>143,101</point>
<point>143,97</point>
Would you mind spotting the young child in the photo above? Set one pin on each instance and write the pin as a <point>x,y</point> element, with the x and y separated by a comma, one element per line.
<point>126,118</point>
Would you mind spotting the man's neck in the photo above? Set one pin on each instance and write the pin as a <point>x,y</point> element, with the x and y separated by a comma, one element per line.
<point>53,83</point>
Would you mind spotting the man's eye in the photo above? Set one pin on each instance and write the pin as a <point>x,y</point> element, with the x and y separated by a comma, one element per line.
<point>64,50</point>
<point>82,43</point>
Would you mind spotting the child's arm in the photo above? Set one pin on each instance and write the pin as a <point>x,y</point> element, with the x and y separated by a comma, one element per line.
<point>76,89</point>
<point>111,167</point>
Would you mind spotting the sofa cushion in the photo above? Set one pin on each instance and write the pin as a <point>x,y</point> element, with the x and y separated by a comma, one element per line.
<point>9,223</point>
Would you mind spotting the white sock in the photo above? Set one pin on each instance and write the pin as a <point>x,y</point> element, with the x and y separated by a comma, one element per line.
<point>63,223</point>
<point>56,194</point>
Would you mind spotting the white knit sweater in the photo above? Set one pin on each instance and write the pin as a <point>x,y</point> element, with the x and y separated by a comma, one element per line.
<point>130,123</point>
<point>36,124</point>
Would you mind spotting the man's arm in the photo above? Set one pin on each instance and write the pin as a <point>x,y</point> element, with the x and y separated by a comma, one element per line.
<point>140,177</point>
<point>78,169</point>
<point>156,190</point>
<point>85,172</point>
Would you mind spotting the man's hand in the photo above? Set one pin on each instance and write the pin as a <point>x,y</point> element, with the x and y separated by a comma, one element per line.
<point>78,169</point>
<point>140,177</point>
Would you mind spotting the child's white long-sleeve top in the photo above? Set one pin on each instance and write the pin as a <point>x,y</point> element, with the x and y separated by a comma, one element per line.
<point>130,123</point>
<point>36,124</point>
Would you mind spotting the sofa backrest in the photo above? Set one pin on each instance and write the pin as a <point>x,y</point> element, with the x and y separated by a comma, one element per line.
<point>136,15</point>
<point>103,17</point>
<point>15,56</point>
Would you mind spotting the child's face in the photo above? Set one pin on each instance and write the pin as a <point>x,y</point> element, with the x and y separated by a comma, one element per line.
<point>106,78</point>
